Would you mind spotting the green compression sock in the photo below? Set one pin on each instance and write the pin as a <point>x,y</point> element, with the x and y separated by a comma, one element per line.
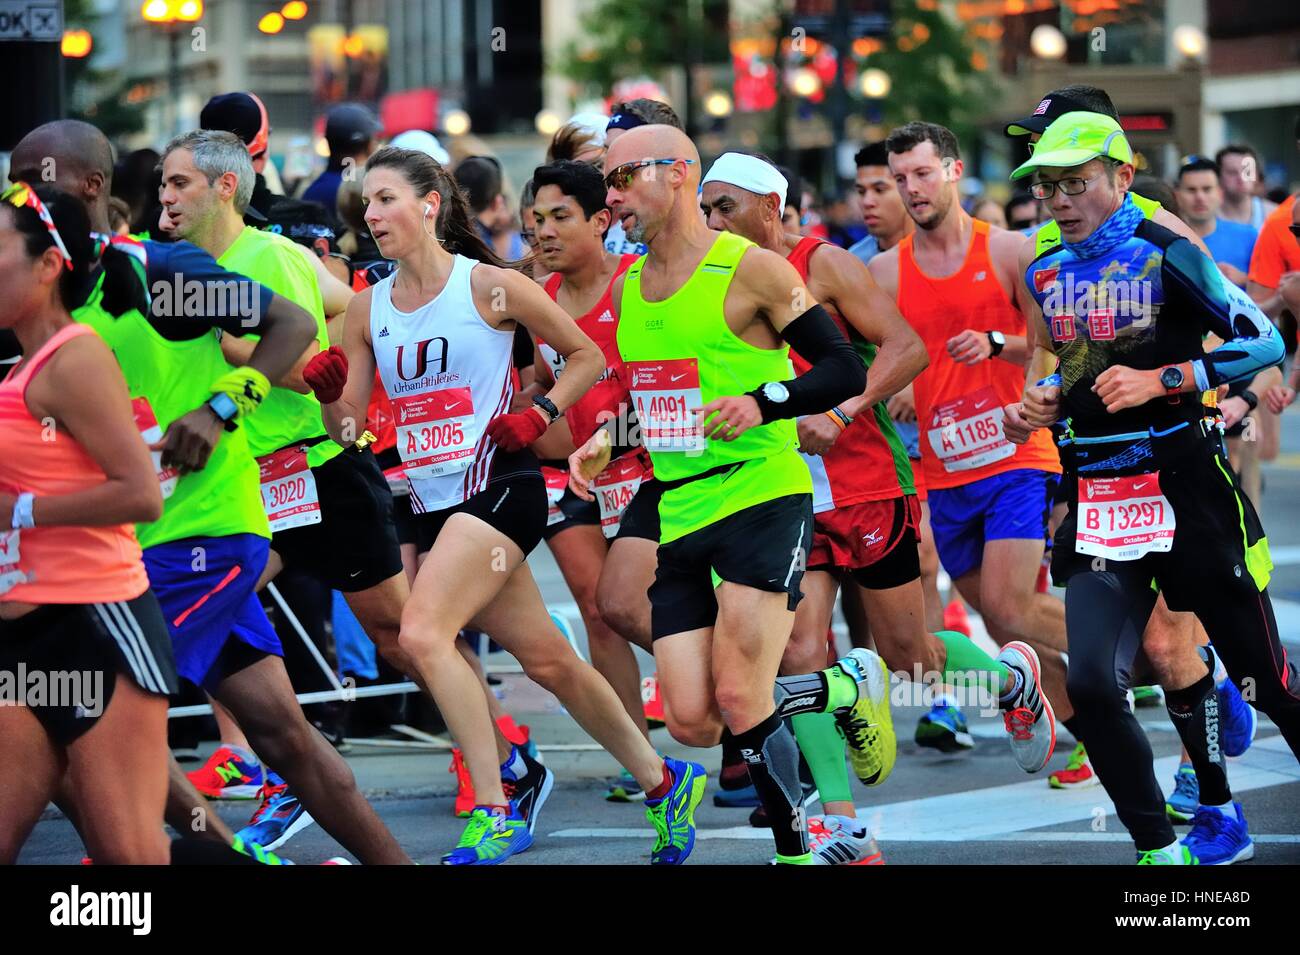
<point>823,747</point>
<point>969,666</point>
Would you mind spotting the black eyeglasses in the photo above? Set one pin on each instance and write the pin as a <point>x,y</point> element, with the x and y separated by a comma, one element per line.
<point>620,177</point>
<point>1073,186</point>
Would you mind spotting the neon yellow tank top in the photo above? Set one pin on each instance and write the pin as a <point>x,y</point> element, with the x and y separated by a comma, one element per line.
<point>285,416</point>
<point>684,340</point>
<point>174,376</point>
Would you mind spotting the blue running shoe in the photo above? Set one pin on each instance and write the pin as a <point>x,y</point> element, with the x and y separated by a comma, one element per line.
<point>673,816</point>
<point>280,817</point>
<point>944,728</point>
<point>1219,839</point>
<point>1186,797</point>
<point>490,838</point>
<point>744,798</point>
<point>1237,719</point>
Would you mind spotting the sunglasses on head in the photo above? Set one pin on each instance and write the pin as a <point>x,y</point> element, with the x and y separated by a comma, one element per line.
<point>620,177</point>
<point>20,195</point>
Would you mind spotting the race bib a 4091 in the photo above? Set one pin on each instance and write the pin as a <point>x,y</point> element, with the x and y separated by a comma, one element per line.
<point>665,394</point>
<point>1123,518</point>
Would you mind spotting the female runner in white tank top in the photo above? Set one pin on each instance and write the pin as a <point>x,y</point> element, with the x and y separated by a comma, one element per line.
<point>440,330</point>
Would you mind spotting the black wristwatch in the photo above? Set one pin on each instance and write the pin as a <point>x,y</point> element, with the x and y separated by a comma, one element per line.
<point>998,341</point>
<point>1250,398</point>
<point>547,405</point>
<point>1171,379</point>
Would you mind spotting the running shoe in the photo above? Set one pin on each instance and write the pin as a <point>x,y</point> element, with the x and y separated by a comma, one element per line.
<point>868,726</point>
<point>1077,773</point>
<point>654,704</point>
<point>227,775</point>
<point>1028,717</point>
<point>1148,696</point>
<point>518,735</point>
<point>956,618</point>
<point>1180,855</point>
<point>464,785</point>
<point>746,798</point>
<point>673,815</point>
<point>254,851</point>
<point>944,728</point>
<point>624,788</point>
<point>1183,801</point>
<point>1237,719</point>
<point>841,840</point>
<point>1219,839</point>
<point>528,793</point>
<point>490,838</point>
<point>280,817</point>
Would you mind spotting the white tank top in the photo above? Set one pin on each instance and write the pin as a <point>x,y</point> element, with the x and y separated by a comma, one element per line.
<point>448,373</point>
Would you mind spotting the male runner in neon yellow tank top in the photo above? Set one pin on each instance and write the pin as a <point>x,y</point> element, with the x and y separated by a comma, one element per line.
<point>702,320</point>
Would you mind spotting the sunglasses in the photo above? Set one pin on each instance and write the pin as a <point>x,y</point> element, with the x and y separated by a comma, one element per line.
<point>620,177</point>
<point>20,195</point>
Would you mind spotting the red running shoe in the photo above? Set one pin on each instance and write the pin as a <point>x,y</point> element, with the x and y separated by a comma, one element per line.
<point>956,618</point>
<point>464,785</point>
<point>227,776</point>
<point>654,703</point>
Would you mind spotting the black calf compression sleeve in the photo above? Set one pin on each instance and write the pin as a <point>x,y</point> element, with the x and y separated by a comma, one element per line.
<point>837,373</point>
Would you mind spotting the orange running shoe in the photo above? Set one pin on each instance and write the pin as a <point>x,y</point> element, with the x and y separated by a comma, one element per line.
<point>654,703</point>
<point>464,785</point>
<point>227,776</point>
<point>956,618</point>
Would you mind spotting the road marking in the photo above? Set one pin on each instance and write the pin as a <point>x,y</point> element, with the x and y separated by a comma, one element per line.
<point>994,813</point>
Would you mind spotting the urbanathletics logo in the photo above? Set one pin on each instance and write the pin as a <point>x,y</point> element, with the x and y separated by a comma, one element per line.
<point>80,689</point>
<point>212,298</point>
<point>77,908</point>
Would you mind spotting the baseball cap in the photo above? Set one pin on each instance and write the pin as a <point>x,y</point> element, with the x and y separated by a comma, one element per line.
<point>1051,108</point>
<point>242,114</point>
<point>421,141</point>
<point>350,126</point>
<point>1075,138</point>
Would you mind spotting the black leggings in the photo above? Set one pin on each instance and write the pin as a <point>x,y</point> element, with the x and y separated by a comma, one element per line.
<point>1106,612</point>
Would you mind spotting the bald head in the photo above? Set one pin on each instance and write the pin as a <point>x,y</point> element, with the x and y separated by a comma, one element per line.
<point>75,157</point>
<point>655,142</point>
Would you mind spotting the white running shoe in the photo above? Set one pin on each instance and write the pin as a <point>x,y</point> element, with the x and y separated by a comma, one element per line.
<point>841,840</point>
<point>1030,722</point>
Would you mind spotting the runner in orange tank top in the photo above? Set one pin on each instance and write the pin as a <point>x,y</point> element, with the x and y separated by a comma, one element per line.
<point>955,281</point>
<point>75,604</point>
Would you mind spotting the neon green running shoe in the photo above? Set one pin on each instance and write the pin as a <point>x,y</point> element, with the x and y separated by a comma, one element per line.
<point>1180,856</point>
<point>868,726</point>
<point>490,838</point>
<point>673,816</point>
<point>255,851</point>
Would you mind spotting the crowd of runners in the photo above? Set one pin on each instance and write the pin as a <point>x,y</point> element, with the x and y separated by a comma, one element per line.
<point>722,428</point>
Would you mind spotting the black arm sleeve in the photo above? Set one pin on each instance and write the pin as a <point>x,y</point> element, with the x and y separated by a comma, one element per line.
<point>837,373</point>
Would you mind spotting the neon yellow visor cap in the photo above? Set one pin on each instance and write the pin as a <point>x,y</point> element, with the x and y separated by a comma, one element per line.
<point>1076,138</point>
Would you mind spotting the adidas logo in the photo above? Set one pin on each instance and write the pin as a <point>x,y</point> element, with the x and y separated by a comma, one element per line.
<point>383,332</point>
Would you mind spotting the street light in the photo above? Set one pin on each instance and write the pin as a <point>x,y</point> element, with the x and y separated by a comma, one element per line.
<point>547,122</point>
<point>77,44</point>
<point>271,23</point>
<point>874,83</point>
<point>456,122</point>
<point>1047,42</point>
<point>169,15</point>
<point>804,82</point>
<point>1189,41</point>
<point>294,10</point>
<point>717,104</point>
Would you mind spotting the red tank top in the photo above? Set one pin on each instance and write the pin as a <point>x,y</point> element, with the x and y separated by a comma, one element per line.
<point>600,325</point>
<point>959,407</point>
<point>867,462</point>
<point>57,564</point>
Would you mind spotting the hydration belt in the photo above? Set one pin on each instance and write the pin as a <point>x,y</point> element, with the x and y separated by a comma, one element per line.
<point>1135,452</point>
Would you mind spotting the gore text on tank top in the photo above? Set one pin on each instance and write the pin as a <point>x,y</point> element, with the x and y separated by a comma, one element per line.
<point>958,406</point>
<point>868,461</point>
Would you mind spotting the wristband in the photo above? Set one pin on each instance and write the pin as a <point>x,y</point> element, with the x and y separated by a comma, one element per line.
<point>245,386</point>
<point>547,405</point>
<point>22,517</point>
<point>1250,398</point>
<point>842,415</point>
<point>839,422</point>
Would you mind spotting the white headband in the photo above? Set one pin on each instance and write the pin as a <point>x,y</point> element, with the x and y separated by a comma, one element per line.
<point>749,173</point>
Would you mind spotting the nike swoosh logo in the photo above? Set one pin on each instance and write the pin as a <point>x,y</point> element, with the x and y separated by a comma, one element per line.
<point>450,406</point>
<point>980,404</point>
<point>355,574</point>
<point>677,377</point>
<point>1138,487</point>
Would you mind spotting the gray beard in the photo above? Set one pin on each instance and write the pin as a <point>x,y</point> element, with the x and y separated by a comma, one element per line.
<point>636,233</point>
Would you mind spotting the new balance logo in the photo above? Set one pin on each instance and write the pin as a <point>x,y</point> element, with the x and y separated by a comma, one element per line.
<point>229,773</point>
<point>979,276</point>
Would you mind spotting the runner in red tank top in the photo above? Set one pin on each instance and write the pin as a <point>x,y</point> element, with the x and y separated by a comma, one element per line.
<point>989,500</point>
<point>571,220</point>
<point>865,505</point>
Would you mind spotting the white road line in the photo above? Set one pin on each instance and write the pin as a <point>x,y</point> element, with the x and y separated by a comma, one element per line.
<point>996,812</point>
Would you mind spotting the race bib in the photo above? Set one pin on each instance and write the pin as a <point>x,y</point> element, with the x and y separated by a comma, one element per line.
<point>556,481</point>
<point>289,494</point>
<point>966,433</point>
<point>436,433</point>
<point>614,488</point>
<point>664,392</point>
<point>1123,518</point>
<point>10,575</point>
<point>147,425</point>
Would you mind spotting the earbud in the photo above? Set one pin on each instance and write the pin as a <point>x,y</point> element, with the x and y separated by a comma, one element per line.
<point>428,209</point>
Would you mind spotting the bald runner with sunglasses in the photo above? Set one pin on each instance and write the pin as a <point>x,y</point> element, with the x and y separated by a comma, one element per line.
<point>705,318</point>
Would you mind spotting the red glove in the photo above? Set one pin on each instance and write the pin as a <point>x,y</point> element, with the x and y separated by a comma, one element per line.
<point>514,431</point>
<point>327,373</point>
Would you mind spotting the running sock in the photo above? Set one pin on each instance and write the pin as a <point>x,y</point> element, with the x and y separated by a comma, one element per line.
<point>823,747</point>
<point>1227,809</point>
<point>969,666</point>
<point>1013,693</point>
<point>515,764</point>
<point>805,859</point>
<point>664,788</point>
<point>1220,671</point>
<point>773,759</point>
<point>1074,729</point>
<point>821,692</point>
<point>1195,714</point>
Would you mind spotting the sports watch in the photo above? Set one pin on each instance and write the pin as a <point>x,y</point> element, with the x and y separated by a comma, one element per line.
<point>1171,379</point>
<point>998,341</point>
<point>224,407</point>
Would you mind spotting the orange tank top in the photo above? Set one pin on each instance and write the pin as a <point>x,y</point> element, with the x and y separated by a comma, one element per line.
<point>52,564</point>
<point>959,407</point>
